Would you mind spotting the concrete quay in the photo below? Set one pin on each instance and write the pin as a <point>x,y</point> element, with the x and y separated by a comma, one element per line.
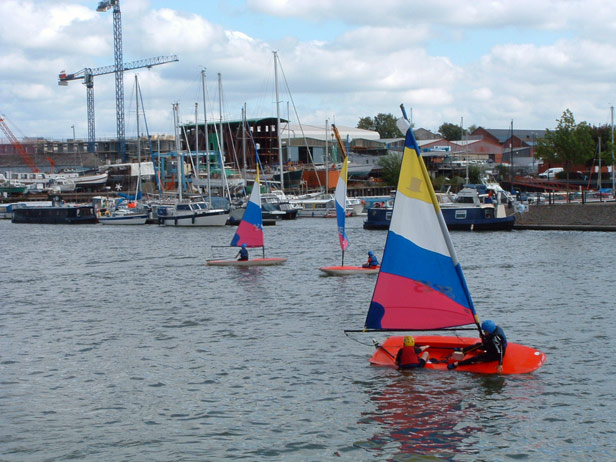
<point>574,216</point>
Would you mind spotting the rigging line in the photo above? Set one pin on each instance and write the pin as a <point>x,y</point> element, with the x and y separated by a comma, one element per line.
<point>284,77</point>
<point>258,158</point>
<point>356,340</point>
<point>223,173</point>
<point>147,131</point>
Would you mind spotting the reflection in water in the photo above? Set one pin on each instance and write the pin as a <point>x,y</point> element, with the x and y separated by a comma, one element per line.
<point>432,415</point>
<point>422,417</point>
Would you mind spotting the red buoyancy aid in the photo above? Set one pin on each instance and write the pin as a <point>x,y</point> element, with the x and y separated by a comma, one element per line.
<point>408,357</point>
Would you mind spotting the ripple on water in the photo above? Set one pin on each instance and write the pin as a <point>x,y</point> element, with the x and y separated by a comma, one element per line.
<point>120,347</point>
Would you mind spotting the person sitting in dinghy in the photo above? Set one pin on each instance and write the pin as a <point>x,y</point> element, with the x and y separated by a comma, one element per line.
<point>494,345</point>
<point>243,253</point>
<point>372,262</point>
<point>410,356</point>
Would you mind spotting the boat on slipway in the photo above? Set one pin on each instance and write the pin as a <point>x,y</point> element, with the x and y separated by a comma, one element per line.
<point>340,198</point>
<point>250,233</point>
<point>421,286</point>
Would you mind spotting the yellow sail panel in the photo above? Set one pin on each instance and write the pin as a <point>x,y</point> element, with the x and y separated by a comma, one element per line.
<point>413,178</point>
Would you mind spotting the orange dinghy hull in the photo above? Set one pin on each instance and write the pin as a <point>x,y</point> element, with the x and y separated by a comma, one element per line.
<point>519,359</point>
<point>344,270</point>
<point>252,262</point>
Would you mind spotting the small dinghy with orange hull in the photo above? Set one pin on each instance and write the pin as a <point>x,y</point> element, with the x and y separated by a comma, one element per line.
<point>346,270</point>
<point>250,233</point>
<point>421,287</point>
<point>340,199</point>
<point>244,263</point>
<point>519,359</point>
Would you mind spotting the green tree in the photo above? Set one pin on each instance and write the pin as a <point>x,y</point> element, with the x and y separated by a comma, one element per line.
<point>474,174</point>
<point>365,123</point>
<point>603,132</point>
<point>384,124</point>
<point>451,132</point>
<point>391,164</point>
<point>569,144</point>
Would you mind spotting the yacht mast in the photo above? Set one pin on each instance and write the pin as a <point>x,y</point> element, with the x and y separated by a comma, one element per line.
<point>138,139</point>
<point>223,172</point>
<point>278,121</point>
<point>207,142</point>
<point>176,121</point>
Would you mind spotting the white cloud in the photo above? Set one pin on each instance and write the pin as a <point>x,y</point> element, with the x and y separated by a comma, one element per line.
<point>382,55</point>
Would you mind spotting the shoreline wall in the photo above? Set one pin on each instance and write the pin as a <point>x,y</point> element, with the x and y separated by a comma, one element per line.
<point>594,216</point>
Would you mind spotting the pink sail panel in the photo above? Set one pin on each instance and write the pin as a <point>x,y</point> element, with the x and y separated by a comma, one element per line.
<point>250,229</point>
<point>430,308</point>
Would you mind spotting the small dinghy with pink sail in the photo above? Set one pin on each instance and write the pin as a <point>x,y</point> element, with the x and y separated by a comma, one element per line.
<point>421,286</point>
<point>249,234</point>
<point>340,198</point>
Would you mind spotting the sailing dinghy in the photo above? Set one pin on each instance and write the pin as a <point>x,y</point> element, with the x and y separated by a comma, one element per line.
<point>421,286</point>
<point>340,197</point>
<point>250,232</point>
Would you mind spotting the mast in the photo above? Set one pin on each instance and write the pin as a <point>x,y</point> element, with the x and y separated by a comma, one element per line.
<point>599,155</point>
<point>138,139</point>
<point>326,160</point>
<point>465,147</point>
<point>511,166</point>
<point>278,140</point>
<point>197,138</point>
<point>613,191</point>
<point>177,149</point>
<point>244,147</point>
<point>223,173</point>
<point>207,141</point>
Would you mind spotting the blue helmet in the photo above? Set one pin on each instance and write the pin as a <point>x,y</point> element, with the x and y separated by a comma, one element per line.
<point>243,246</point>
<point>370,252</point>
<point>488,326</point>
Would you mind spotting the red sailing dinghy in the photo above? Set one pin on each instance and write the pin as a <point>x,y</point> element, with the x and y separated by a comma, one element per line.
<point>340,198</point>
<point>250,232</point>
<point>421,286</point>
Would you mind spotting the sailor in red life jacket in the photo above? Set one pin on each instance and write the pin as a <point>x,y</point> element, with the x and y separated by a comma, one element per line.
<point>410,356</point>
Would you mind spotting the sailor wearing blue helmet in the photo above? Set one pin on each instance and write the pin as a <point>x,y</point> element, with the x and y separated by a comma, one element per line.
<point>494,345</point>
<point>243,253</point>
<point>372,262</point>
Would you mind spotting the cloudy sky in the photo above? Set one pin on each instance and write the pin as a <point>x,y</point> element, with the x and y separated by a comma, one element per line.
<point>483,62</point>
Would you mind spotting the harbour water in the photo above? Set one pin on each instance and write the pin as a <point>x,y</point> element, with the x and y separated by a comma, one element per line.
<point>119,343</point>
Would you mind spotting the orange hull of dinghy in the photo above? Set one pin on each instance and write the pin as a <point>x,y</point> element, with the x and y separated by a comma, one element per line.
<point>519,359</point>
<point>344,270</point>
<point>252,262</point>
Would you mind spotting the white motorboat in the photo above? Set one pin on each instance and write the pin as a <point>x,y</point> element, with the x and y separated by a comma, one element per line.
<point>124,216</point>
<point>186,213</point>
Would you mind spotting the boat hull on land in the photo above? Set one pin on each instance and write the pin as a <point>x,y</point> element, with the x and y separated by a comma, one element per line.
<point>348,270</point>
<point>519,359</point>
<point>253,262</point>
